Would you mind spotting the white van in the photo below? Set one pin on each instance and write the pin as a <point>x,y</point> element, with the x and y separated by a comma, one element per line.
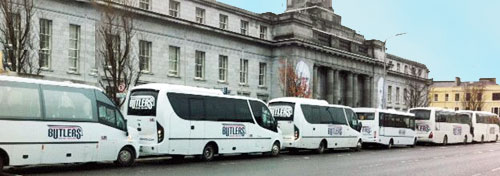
<point>46,122</point>
<point>484,126</point>
<point>314,124</point>
<point>387,127</point>
<point>179,120</point>
<point>441,126</point>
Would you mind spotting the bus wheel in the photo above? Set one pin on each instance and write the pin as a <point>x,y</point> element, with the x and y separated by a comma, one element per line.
<point>414,143</point>
<point>126,157</point>
<point>391,143</point>
<point>445,140</point>
<point>1,163</point>
<point>465,140</point>
<point>275,150</point>
<point>208,153</point>
<point>359,145</point>
<point>321,148</point>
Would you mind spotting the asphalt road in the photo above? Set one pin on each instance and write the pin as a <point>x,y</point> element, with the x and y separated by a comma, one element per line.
<point>456,160</point>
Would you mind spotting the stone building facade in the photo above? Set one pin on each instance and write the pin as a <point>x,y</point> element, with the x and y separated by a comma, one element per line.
<point>215,45</point>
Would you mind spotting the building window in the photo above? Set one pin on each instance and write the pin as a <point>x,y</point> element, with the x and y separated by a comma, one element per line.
<point>200,15</point>
<point>174,8</point>
<point>456,108</point>
<point>345,45</point>
<point>222,68</point>
<point>446,97</point>
<point>457,97</point>
<point>495,110</point>
<point>223,21</point>
<point>145,55</point>
<point>389,94</point>
<point>74,47</point>
<point>397,95</point>
<point>243,71</point>
<point>406,69</point>
<point>436,97</point>
<point>144,4</point>
<point>263,32</point>
<point>45,43</point>
<point>174,60</point>
<point>479,96</point>
<point>244,27</point>
<point>398,66</point>
<point>199,65</point>
<point>496,96</point>
<point>405,94</point>
<point>262,74</point>
<point>467,96</point>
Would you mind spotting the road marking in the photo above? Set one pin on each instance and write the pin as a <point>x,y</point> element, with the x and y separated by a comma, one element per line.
<point>307,158</point>
<point>496,169</point>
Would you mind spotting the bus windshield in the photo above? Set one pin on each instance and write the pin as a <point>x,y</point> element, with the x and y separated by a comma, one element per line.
<point>366,116</point>
<point>421,114</point>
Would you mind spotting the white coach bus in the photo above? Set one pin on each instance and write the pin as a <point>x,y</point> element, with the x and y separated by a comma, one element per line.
<point>314,124</point>
<point>484,126</point>
<point>177,121</point>
<point>46,122</point>
<point>441,126</point>
<point>387,127</point>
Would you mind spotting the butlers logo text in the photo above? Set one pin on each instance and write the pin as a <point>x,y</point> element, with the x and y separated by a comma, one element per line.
<point>144,102</point>
<point>233,130</point>
<point>64,132</point>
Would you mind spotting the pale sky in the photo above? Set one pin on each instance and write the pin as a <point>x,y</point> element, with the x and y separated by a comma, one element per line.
<point>452,37</point>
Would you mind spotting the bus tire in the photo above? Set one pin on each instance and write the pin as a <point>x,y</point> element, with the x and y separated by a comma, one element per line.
<point>208,152</point>
<point>275,149</point>
<point>322,147</point>
<point>390,145</point>
<point>126,157</point>
<point>414,143</point>
<point>359,145</point>
<point>445,140</point>
<point>2,163</point>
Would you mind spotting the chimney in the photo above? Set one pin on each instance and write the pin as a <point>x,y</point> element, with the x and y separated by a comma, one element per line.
<point>457,81</point>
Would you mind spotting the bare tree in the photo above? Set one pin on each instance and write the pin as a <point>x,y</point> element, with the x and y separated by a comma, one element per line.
<point>292,84</point>
<point>16,36</point>
<point>473,96</point>
<point>417,92</point>
<point>118,68</point>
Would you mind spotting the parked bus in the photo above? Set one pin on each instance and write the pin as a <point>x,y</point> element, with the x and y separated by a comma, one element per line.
<point>441,126</point>
<point>46,122</point>
<point>387,127</point>
<point>316,125</point>
<point>177,121</point>
<point>484,126</point>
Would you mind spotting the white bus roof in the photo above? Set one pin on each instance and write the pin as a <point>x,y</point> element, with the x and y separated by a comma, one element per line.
<point>389,111</point>
<point>45,82</point>
<point>189,90</point>
<point>477,112</point>
<point>300,100</point>
<point>428,108</point>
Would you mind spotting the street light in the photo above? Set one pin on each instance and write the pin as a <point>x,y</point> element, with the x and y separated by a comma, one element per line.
<point>384,104</point>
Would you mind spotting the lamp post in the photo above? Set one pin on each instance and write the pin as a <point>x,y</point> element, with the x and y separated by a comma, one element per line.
<point>384,104</point>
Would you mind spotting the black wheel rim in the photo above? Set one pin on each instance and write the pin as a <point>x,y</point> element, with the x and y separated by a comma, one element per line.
<point>208,153</point>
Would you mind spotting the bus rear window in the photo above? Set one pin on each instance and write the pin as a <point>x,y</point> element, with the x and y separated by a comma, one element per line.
<point>421,114</point>
<point>366,116</point>
<point>143,103</point>
<point>282,111</point>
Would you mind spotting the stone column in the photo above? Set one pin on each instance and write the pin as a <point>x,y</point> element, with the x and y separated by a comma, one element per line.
<point>349,90</point>
<point>315,83</point>
<point>336,87</point>
<point>366,91</point>
<point>355,90</point>
<point>330,85</point>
